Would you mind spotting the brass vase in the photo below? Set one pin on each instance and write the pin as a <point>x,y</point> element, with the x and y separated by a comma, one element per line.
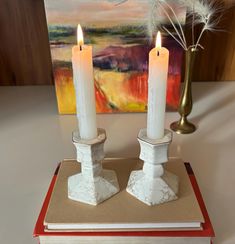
<point>183,126</point>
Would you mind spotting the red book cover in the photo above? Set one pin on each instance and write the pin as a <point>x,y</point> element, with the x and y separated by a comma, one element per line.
<point>207,229</point>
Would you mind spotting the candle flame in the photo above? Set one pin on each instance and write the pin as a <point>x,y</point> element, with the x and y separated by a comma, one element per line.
<point>80,40</point>
<point>158,40</point>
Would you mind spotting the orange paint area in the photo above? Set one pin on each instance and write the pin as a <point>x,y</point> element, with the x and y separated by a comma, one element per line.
<point>114,91</point>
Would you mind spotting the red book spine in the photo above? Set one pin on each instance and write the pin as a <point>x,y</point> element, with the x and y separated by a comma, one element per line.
<point>39,227</point>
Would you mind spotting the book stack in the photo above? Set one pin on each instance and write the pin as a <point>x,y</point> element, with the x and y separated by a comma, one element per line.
<point>122,218</point>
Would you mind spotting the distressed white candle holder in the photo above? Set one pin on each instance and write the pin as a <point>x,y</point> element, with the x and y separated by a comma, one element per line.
<point>153,185</point>
<point>94,184</point>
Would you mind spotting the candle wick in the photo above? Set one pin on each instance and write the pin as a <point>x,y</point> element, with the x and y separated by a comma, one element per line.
<point>158,53</point>
<point>80,47</point>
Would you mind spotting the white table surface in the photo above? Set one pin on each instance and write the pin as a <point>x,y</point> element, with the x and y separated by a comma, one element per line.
<point>34,138</point>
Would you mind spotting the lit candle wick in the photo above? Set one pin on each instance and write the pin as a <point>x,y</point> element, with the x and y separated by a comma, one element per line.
<point>158,43</point>
<point>80,40</point>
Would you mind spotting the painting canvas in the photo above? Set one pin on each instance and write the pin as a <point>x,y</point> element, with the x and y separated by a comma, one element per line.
<point>120,53</point>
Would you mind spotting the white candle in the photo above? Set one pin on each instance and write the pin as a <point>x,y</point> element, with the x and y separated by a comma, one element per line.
<point>157,83</point>
<point>84,87</point>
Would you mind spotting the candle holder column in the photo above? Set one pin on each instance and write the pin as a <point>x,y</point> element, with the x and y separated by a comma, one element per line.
<point>153,185</point>
<point>94,184</point>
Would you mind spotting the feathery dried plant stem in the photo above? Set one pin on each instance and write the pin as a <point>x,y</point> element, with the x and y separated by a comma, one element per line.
<point>185,48</point>
<point>151,23</point>
<point>178,22</point>
<point>172,23</point>
<point>193,24</point>
<point>201,12</point>
<point>199,37</point>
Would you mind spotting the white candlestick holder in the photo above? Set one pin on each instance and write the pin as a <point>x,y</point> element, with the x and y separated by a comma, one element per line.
<point>94,184</point>
<point>153,185</point>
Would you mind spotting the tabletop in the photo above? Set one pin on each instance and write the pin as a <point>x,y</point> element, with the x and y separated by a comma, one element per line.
<point>34,138</point>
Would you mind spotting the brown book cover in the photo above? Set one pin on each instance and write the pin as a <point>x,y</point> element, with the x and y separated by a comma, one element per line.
<point>122,209</point>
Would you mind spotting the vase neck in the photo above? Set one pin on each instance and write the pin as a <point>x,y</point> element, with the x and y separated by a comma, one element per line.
<point>189,63</point>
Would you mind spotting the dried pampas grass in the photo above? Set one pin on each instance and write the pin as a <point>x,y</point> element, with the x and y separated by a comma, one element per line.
<point>207,13</point>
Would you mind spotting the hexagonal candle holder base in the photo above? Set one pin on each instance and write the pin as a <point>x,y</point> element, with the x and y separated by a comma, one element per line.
<point>153,185</point>
<point>94,184</point>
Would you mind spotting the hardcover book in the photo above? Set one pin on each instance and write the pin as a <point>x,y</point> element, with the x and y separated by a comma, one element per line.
<point>123,218</point>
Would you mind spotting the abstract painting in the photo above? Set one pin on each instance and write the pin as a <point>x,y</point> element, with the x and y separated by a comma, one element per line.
<point>120,53</point>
